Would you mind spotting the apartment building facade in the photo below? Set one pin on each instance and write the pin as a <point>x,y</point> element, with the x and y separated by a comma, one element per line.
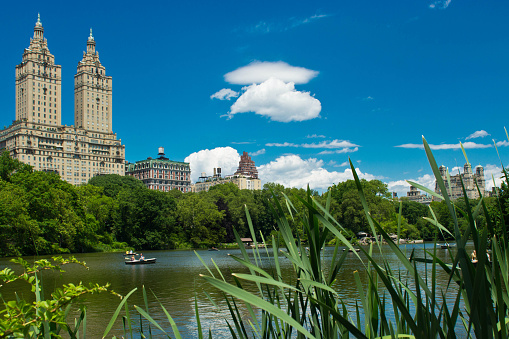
<point>161,173</point>
<point>37,136</point>
<point>471,181</point>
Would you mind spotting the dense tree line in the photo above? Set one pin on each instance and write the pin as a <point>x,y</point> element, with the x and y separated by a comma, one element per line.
<point>41,214</point>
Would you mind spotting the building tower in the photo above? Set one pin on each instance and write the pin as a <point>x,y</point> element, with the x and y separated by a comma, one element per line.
<point>479,178</point>
<point>92,92</point>
<point>247,167</point>
<point>37,137</point>
<point>467,179</point>
<point>38,83</point>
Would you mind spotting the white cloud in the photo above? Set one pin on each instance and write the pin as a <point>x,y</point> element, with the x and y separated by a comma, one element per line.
<point>267,27</point>
<point>315,136</point>
<point>440,4</point>
<point>260,71</point>
<point>298,22</point>
<point>456,170</point>
<point>259,152</point>
<point>278,101</point>
<point>225,94</point>
<point>242,142</point>
<point>502,143</point>
<point>341,151</point>
<point>342,144</point>
<point>368,98</point>
<point>410,146</point>
<point>398,186</point>
<point>292,171</point>
<point>466,145</point>
<point>331,144</point>
<point>401,187</point>
<point>226,158</point>
<point>262,27</point>
<point>496,172</point>
<point>478,134</point>
<point>285,144</point>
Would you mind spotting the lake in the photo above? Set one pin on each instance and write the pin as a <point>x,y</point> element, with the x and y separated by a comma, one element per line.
<point>175,279</point>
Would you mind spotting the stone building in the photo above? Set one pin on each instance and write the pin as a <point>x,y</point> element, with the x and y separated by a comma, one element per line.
<point>38,138</point>
<point>470,181</point>
<point>161,174</point>
<point>246,177</point>
<point>247,167</point>
<point>241,181</point>
<point>417,196</point>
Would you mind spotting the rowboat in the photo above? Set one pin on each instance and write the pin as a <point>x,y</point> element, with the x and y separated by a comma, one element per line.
<point>350,250</point>
<point>446,246</point>
<point>141,261</point>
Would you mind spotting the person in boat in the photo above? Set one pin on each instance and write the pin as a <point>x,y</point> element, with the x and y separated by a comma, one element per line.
<point>142,257</point>
<point>131,252</point>
<point>474,256</point>
<point>132,258</point>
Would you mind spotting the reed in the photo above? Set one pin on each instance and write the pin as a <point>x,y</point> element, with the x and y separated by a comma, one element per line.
<point>308,306</point>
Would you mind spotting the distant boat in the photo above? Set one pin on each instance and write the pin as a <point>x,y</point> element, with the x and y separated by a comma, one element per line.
<point>350,250</point>
<point>446,246</point>
<point>141,261</point>
<point>213,249</point>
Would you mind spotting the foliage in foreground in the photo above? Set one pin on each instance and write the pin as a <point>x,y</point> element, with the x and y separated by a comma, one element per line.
<point>308,306</point>
<point>42,318</point>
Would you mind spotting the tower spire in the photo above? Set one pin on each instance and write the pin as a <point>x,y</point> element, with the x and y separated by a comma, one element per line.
<point>38,29</point>
<point>91,43</point>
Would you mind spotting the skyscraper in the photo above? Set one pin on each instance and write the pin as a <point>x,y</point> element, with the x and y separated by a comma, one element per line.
<point>92,92</point>
<point>37,136</point>
<point>38,82</point>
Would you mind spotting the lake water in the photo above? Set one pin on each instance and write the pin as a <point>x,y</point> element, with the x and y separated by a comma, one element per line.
<point>175,279</point>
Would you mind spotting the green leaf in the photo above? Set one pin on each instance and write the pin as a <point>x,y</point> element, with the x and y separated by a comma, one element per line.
<point>117,311</point>
<point>257,302</point>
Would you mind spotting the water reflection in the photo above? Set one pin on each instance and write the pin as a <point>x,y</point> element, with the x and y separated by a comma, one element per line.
<point>175,281</point>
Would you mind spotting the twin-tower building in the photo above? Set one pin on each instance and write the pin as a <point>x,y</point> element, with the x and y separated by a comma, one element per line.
<point>89,147</point>
<point>37,136</point>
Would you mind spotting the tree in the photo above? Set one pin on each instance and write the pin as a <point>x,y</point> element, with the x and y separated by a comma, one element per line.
<point>114,183</point>
<point>201,220</point>
<point>146,218</point>
<point>348,207</point>
<point>17,230</point>
<point>9,166</point>
<point>54,204</point>
<point>412,211</point>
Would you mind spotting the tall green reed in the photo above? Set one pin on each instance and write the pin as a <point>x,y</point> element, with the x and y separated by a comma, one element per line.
<point>308,306</point>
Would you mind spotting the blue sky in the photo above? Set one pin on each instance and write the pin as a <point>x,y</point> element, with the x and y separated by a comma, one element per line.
<point>301,86</point>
